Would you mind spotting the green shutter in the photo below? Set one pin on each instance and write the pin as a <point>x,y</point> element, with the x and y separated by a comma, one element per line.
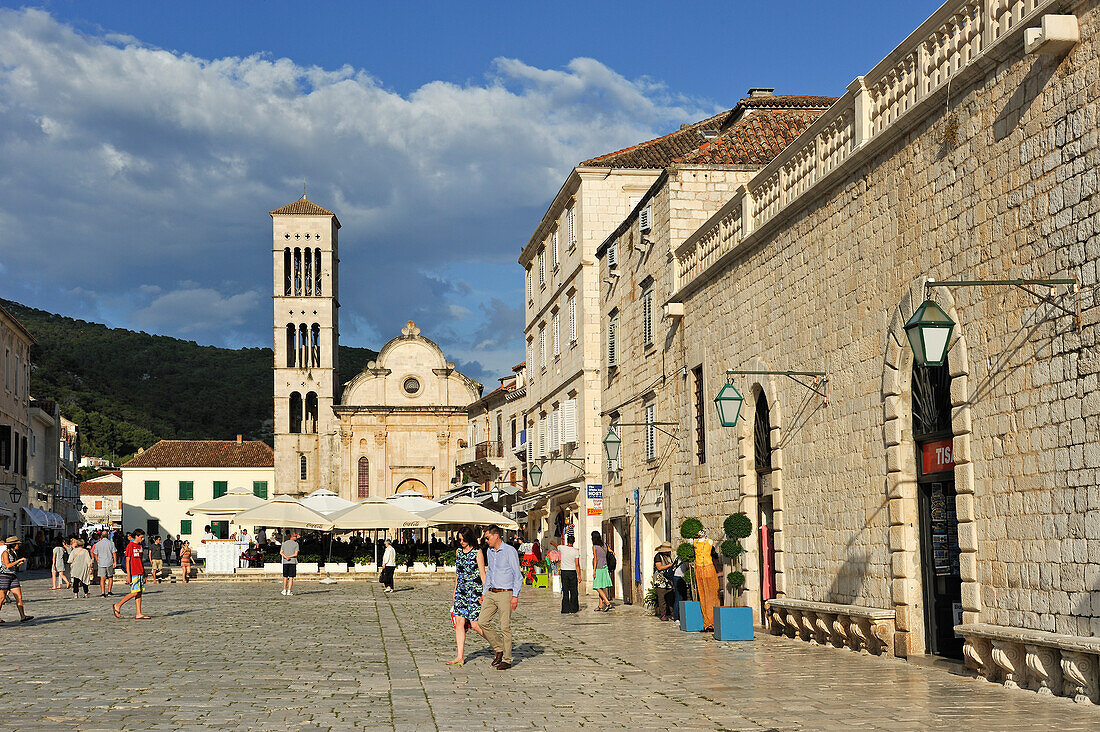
<point>187,490</point>
<point>185,527</point>
<point>152,490</point>
<point>259,488</point>
<point>221,487</point>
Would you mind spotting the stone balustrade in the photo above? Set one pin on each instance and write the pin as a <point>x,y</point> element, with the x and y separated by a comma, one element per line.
<point>1048,663</point>
<point>864,629</point>
<point>878,105</point>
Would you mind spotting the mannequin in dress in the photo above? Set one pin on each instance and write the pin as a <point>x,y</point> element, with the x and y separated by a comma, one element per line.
<point>706,579</point>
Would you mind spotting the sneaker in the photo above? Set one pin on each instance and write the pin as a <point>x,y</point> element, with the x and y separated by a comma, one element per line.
<point>289,593</point>
<point>282,592</point>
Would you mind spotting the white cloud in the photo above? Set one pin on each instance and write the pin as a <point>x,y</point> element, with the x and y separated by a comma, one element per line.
<point>122,163</point>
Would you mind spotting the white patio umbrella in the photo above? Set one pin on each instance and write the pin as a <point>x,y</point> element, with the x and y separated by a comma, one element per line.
<point>326,501</point>
<point>414,502</point>
<point>236,500</point>
<point>285,512</point>
<point>468,512</point>
<point>376,513</point>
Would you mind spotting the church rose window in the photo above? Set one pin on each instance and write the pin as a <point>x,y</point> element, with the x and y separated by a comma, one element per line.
<point>412,386</point>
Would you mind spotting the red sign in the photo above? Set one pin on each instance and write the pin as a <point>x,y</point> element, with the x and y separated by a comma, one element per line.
<point>937,457</point>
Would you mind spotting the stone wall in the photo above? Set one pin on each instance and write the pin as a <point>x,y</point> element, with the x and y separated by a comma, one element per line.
<point>826,284</point>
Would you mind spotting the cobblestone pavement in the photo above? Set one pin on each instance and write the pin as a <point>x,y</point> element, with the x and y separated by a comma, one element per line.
<point>237,655</point>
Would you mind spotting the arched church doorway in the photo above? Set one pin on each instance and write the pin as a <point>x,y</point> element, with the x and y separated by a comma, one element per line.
<point>939,526</point>
<point>765,519</point>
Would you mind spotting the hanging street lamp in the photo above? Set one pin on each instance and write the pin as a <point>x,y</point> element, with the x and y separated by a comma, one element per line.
<point>15,494</point>
<point>612,445</point>
<point>535,475</point>
<point>929,333</point>
<point>728,402</point>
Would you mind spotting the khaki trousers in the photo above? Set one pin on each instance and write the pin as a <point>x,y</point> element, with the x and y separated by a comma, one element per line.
<point>158,567</point>
<point>706,579</point>
<point>493,604</point>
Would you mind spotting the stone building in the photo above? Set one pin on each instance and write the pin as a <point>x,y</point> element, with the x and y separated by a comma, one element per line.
<point>644,382</point>
<point>495,455</point>
<point>102,499</point>
<point>917,510</point>
<point>15,423</point>
<point>401,420</point>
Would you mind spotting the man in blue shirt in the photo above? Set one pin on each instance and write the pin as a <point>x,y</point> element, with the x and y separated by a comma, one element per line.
<point>503,581</point>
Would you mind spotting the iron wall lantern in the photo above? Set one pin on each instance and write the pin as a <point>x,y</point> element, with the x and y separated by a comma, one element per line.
<point>612,445</point>
<point>534,474</point>
<point>728,402</point>
<point>929,333</point>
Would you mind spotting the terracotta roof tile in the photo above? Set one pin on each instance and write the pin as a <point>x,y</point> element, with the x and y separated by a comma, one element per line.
<point>755,139</point>
<point>304,207</point>
<point>101,489</point>
<point>205,454</point>
<point>661,151</point>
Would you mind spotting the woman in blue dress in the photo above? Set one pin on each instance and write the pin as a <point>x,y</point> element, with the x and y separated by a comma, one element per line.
<point>469,578</point>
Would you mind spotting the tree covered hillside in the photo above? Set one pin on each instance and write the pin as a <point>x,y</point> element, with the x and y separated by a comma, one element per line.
<point>127,390</point>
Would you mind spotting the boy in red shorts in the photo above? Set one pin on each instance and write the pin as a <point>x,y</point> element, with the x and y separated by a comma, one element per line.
<point>136,570</point>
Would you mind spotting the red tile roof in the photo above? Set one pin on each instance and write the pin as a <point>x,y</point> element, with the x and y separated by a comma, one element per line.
<point>101,489</point>
<point>205,454</point>
<point>304,207</point>
<point>679,145</point>
<point>755,139</point>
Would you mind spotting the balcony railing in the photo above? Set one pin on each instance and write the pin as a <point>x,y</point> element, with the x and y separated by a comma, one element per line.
<point>945,45</point>
<point>488,450</point>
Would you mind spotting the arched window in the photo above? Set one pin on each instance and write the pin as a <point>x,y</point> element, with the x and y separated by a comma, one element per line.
<point>297,271</point>
<point>303,346</point>
<point>295,425</point>
<point>311,412</point>
<point>308,270</point>
<point>291,344</point>
<point>315,344</point>
<point>364,478</point>
<point>762,435</point>
<point>317,272</point>
<point>302,463</point>
<point>286,271</point>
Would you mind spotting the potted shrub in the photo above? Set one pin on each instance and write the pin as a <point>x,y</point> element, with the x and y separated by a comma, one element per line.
<point>691,614</point>
<point>734,623</point>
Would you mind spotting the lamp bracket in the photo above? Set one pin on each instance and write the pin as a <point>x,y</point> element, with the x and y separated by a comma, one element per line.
<point>820,378</point>
<point>574,463</point>
<point>1025,285</point>
<point>656,425</point>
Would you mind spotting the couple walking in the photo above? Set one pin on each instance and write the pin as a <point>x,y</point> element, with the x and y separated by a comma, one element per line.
<point>485,587</point>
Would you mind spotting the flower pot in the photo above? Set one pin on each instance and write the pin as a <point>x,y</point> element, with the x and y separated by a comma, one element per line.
<point>308,568</point>
<point>555,583</point>
<point>542,580</point>
<point>733,623</point>
<point>273,567</point>
<point>365,568</point>
<point>691,616</point>
<point>336,567</point>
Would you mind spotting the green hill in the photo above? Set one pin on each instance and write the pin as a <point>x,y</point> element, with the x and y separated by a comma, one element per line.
<point>127,389</point>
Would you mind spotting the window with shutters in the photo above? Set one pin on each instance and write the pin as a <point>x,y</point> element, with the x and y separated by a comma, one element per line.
<point>613,340</point>
<point>570,229</point>
<point>554,250</point>
<point>542,349</point>
<point>364,478</point>
<point>699,416</point>
<point>650,432</point>
<point>187,490</point>
<point>530,296</point>
<point>542,268</point>
<point>513,423</point>
<point>569,421</point>
<point>152,490</point>
<point>571,317</point>
<point>613,255</point>
<point>221,487</point>
<point>542,436</point>
<point>259,489</point>
<point>556,328</point>
<point>99,505</point>
<point>647,316</point>
<point>185,527</point>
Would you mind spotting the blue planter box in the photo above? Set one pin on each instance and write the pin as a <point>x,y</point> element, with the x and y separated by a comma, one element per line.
<point>733,623</point>
<point>691,617</point>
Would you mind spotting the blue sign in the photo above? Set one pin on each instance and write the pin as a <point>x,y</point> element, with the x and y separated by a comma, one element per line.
<point>595,491</point>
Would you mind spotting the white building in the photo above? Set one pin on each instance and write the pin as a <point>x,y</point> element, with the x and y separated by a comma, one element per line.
<point>102,499</point>
<point>160,484</point>
<point>15,424</point>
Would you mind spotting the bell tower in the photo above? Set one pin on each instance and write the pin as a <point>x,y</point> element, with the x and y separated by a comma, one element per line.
<point>307,334</point>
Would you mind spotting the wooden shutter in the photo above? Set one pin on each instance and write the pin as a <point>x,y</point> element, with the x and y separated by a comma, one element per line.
<point>187,490</point>
<point>650,432</point>
<point>221,487</point>
<point>572,318</point>
<point>152,490</point>
<point>259,488</point>
<point>612,341</point>
<point>569,421</point>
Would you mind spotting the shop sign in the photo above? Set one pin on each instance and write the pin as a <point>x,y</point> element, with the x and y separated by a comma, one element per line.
<point>937,457</point>
<point>595,499</point>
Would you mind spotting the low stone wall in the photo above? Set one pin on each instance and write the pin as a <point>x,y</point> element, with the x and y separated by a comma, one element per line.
<point>864,629</point>
<point>1048,663</point>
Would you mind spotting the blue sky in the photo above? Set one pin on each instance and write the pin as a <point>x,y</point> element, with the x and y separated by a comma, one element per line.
<point>141,144</point>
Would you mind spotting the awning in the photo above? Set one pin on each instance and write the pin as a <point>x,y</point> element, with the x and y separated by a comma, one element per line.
<point>44,519</point>
<point>534,502</point>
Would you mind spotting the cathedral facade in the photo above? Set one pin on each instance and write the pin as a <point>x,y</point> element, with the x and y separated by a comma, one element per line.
<point>396,425</point>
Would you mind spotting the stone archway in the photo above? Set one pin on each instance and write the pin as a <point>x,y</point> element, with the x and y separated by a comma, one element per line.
<point>749,482</point>
<point>901,471</point>
<point>413,484</point>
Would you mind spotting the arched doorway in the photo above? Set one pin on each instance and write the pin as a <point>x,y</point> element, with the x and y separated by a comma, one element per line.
<point>765,518</point>
<point>412,484</point>
<point>938,516</point>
